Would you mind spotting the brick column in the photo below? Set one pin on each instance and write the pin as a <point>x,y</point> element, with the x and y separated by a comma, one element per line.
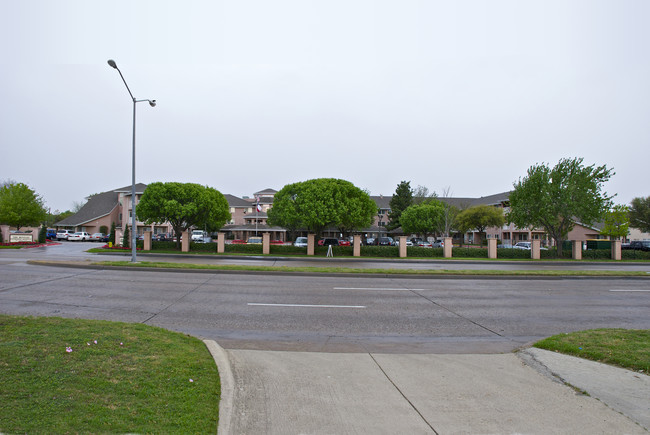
<point>185,243</point>
<point>310,244</point>
<point>266,243</point>
<point>492,248</point>
<point>402,246</point>
<point>576,249</point>
<point>616,249</point>
<point>147,241</point>
<point>446,249</point>
<point>356,242</point>
<point>534,251</point>
<point>221,243</point>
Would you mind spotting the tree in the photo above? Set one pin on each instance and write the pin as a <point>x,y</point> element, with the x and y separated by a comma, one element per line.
<point>184,206</point>
<point>401,200</point>
<point>479,218</point>
<point>111,237</point>
<point>554,199</point>
<point>422,194</point>
<point>20,206</point>
<point>126,239</point>
<point>451,214</point>
<point>423,219</point>
<point>640,214</point>
<point>617,223</point>
<point>320,203</point>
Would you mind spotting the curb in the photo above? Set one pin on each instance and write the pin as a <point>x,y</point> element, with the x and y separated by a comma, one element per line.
<point>80,265</point>
<point>226,400</point>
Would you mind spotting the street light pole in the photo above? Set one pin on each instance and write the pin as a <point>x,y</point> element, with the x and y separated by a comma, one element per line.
<point>152,103</point>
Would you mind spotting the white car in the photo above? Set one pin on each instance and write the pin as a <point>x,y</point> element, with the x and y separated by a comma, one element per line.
<point>96,237</point>
<point>79,235</point>
<point>528,246</point>
<point>63,234</point>
<point>300,242</point>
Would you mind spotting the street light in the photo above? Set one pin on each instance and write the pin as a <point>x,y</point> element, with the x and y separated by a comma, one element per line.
<point>152,103</point>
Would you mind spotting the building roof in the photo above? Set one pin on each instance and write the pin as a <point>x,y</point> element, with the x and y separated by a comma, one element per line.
<point>139,189</point>
<point>97,206</point>
<point>382,201</point>
<point>266,192</point>
<point>234,201</point>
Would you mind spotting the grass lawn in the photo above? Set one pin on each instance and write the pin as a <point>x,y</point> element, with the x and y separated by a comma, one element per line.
<point>71,375</point>
<point>627,348</point>
<point>315,269</point>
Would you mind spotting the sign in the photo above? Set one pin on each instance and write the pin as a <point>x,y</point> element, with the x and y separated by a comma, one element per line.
<point>17,238</point>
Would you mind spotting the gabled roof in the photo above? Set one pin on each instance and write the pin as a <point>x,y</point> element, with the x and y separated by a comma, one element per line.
<point>382,202</point>
<point>266,192</point>
<point>139,189</point>
<point>234,201</point>
<point>97,206</point>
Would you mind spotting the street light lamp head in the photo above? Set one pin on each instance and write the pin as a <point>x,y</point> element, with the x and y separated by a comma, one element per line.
<point>152,103</point>
<point>112,63</point>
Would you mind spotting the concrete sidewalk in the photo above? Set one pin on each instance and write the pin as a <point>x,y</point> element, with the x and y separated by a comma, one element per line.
<point>324,393</point>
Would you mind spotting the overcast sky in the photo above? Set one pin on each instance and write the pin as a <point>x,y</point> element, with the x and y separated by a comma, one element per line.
<point>258,94</point>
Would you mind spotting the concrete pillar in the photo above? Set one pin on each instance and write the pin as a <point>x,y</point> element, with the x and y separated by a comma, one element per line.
<point>402,246</point>
<point>118,235</point>
<point>147,241</point>
<point>310,244</point>
<point>185,242</point>
<point>492,248</point>
<point>356,242</point>
<point>616,250</point>
<point>535,249</point>
<point>576,249</point>
<point>447,248</point>
<point>221,243</point>
<point>266,243</point>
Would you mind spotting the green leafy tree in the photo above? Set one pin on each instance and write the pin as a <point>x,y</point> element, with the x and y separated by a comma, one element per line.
<point>401,200</point>
<point>184,206</point>
<point>423,219</point>
<point>111,237</point>
<point>640,214</point>
<point>20,206</point>
<point>555,198</point>
<point>42,234</point>
<point>126,237</point>
<point>479,218</point>
<point>320,203</point>
<point>617,222</point>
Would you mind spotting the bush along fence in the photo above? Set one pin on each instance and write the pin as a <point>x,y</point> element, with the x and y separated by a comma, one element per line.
<point>356,250</point>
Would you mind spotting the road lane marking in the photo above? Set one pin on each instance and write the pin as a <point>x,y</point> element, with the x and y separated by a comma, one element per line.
<point>306,306</point>
<point>629,290</point>
<point>380,289</point>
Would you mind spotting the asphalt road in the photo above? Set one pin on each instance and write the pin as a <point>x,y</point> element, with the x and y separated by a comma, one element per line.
<point>327,314</point>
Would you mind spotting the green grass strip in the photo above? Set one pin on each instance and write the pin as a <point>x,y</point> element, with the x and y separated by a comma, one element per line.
<point>86,376</point>
<point>627,348</point>
<point>312,269</point>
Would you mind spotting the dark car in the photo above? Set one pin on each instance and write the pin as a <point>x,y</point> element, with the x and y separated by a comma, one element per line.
<point>386,241</point>
<point>639,245</point>
<point>328,242</point>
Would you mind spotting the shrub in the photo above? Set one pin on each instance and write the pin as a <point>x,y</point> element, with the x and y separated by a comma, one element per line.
<point>42,234</point>
<point>111,237</point>
<point>470,252</point>
<point>126,238</point>
<point>419,251</point>
<point>633,254</point>
<point>378,251</point>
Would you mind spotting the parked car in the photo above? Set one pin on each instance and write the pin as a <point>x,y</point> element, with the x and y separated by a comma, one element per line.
<point>386,241</point>
<point>300,242</point>
<point>328,242</point>
<point>63,234</point>
<point>199,236</point>
<point>96,237</point>
<point>639,245</point>
<point>438,244</point>
<point>50,234</point>
<point>80,236</point>
<point>424,244</point>
<point>105,238</point>
<point>344,242</point>
<point>527,245</point>
<point>238,242</point>
<point>408,243</point>
<point>370,241</point>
